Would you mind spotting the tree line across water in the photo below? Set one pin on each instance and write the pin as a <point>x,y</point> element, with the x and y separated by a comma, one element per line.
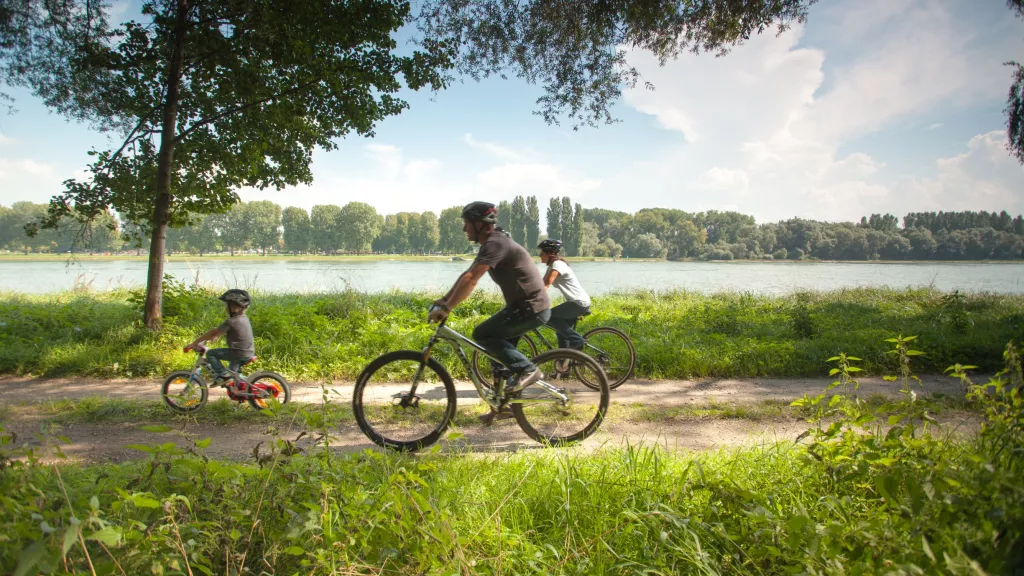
<point>357,228</point>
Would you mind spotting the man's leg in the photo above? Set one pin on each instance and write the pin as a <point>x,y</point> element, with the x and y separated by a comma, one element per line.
<point>500,333</point>
<point>563,320</point>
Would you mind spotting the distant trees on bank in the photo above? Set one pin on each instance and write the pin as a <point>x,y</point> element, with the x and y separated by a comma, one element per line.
<point>357,228</point>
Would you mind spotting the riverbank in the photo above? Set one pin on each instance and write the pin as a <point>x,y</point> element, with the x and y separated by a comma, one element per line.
<point>677,334</point>
<point>225,256</point>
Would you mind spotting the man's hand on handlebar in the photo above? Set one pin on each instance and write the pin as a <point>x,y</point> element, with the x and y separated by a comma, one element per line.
<point>438,312</point>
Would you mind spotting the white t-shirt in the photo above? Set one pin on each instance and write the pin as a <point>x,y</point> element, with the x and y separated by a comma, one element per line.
<point>566,282</point>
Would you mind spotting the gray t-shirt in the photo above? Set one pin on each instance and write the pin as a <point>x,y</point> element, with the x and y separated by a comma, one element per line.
<point>567,282</point>
<point>514,272</point>
<point>239,335</point>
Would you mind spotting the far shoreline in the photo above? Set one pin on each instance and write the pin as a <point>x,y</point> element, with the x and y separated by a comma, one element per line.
<point>66,257</point>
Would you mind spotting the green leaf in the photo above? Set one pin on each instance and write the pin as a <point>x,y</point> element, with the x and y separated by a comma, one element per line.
<point>143,501</point>
<point>832,359</point>
<point>895,418</point>
<point>915,353</point>
<point>108,536</point>
<point>157,428</point>
<point>94,502</point>
<point>854,369</point>
<point>853,358</point>
<point>294,551</point>
<point>70,535</point>
<point>203,443</point>
<point>909,338</point>
<point>927,548</point>
<point>142,448</point>
<point>889,378</point>
<point>29,557</point>
<point>833,372</point>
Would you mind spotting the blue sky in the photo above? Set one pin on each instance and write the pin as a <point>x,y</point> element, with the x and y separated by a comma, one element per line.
<point>871,106</point>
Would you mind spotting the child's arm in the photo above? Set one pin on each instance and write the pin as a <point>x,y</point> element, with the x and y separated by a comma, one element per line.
<point>209,335</point>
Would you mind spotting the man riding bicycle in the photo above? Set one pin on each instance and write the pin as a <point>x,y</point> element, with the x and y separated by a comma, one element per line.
<point>510,266</point>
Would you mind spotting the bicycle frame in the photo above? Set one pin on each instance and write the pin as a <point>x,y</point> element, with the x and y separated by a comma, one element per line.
<point>495,401</point>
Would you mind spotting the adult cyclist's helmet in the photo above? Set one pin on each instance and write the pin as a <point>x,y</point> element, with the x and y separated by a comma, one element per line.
<point>236,296</point>
<point>551,246</point>
<point>480,212</point>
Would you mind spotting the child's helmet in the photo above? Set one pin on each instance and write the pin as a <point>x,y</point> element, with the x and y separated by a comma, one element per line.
<point>236,296</point>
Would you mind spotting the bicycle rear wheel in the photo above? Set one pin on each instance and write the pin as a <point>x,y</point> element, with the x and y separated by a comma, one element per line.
<point>273,383</point>
<point>614,351</point>
<point>184,392</point>
<point>481,365</point>
<point>560,408</point>
<point>403,403</point>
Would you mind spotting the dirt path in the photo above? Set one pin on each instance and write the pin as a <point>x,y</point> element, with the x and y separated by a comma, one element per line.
<point>109,441</point>
<point>17,390</point>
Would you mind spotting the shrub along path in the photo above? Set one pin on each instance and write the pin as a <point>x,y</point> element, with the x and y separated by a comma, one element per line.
<point>101,418</point>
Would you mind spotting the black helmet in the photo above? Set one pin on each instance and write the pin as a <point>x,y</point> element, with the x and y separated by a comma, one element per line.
<point>480,212</point>
<point>236,296</point>
<point>551,246</point>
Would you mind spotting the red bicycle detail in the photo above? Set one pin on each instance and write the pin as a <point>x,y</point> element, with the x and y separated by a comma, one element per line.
<point>187,391</point>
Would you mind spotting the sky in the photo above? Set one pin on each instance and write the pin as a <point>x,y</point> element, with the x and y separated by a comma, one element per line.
<point>870,106</point>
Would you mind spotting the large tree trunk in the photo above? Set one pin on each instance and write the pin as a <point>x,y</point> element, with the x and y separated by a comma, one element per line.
<point>153,310</point>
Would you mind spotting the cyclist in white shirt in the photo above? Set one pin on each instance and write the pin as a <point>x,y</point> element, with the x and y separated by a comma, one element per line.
<point>577,301</point>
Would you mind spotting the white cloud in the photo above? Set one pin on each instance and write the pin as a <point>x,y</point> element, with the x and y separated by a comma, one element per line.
<point>392,182</point>
<point>6,140</point>
<point>764,126</point>
<point>27,179</point>
<point>936,126</point>
<point>985,177</point>
<point>497,150</point>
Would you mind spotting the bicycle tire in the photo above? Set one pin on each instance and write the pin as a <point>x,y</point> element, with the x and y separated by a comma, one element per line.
<point>613,381</point>
<point>204,391</point>
<point>358,406</point>
<point>284,394</point>
<point>479,358</point>
<point>602,387</point>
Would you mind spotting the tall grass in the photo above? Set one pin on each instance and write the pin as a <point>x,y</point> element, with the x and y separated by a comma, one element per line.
<point>678,334</point>
<point>874,492</point>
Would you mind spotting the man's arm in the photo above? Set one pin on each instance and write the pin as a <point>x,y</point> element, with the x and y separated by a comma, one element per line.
<point>464,286</point>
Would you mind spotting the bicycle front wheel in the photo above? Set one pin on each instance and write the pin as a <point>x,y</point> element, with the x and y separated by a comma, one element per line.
<point>403,403</point>
<point>184,392</point>
<point>614,351</point>
<point>482,365</point>
<point>560,408</point>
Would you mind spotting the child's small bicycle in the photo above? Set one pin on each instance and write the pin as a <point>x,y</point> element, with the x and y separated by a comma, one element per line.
<point>186,391</point>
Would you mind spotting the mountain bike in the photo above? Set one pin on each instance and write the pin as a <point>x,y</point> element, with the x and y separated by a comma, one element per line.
<point>186,391</point>
<point>405,400</point>
<point>611,348</point>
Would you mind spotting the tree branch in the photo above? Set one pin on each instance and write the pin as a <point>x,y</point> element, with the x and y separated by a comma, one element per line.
<point>209,119</point>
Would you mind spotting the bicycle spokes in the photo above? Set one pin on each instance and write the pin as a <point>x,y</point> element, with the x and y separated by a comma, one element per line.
<point>560,404</point>
<point>404,400</point>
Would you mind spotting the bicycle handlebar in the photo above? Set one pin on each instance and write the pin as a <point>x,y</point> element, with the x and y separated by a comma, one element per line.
<point>431,310</point>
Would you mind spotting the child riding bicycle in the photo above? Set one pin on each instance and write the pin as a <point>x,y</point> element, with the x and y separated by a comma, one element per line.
<point>239,338</point>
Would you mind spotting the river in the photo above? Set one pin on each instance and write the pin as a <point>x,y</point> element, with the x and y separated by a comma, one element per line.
<point>281,275</point>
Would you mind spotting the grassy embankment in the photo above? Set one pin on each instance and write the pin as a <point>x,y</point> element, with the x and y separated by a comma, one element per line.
<point>854,500</point>
<point>330,337</point>
<point>856,497</point>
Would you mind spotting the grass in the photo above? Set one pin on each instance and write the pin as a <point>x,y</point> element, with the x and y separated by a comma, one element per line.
<point>333,336</point>
<point>624,511</point>
<point>873,491</point>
